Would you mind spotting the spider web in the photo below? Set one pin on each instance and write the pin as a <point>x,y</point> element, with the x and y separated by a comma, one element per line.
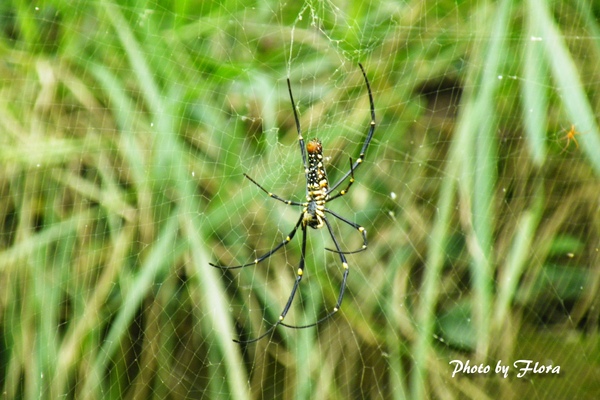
<point>126,133</point>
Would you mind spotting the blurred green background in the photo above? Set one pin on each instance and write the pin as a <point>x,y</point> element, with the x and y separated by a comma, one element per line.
<point>125,131</point>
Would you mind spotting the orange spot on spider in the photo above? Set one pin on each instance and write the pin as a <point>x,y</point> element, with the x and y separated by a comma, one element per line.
<point>314,146</point>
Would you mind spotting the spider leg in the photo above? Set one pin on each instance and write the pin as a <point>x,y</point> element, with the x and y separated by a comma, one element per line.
<point>268,254</point>
<point>359,228</point>
<point>361,157</point>
<point>288,304</point>
<point>342,287</point>
<point>273,195</point>
<point>298,129</point>
<point>350,182</point>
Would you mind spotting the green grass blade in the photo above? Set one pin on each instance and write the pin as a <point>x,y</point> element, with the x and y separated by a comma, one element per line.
<point>161,256</point>
<point>568,81</point>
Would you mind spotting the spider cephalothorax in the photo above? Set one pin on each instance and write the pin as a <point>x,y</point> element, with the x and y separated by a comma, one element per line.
<point>314,213</point>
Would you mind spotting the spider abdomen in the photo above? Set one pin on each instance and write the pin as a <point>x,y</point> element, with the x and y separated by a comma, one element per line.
<point>313,215</point>
<point>317,186</point>
<point>316,177</point>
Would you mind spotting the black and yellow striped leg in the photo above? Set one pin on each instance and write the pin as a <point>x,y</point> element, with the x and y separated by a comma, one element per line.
<point>273,195</point>
<point>298,129</point>
<point>288,304</point>
<point>268,254</point>
<point>345,191</point>
<point>346,268</point>
<point>356,226</point>
<point>370,132</point>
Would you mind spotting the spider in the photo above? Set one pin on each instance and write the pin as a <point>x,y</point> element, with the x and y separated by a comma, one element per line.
<point>570,136</point>
<point>314,211</point>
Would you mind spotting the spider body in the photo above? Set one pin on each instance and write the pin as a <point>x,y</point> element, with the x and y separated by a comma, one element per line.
<point>570,136</point>
<point>317,186</point>
<point>314,212</point>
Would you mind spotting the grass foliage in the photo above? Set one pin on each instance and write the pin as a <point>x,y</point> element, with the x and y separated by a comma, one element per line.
<point>124,133</point>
